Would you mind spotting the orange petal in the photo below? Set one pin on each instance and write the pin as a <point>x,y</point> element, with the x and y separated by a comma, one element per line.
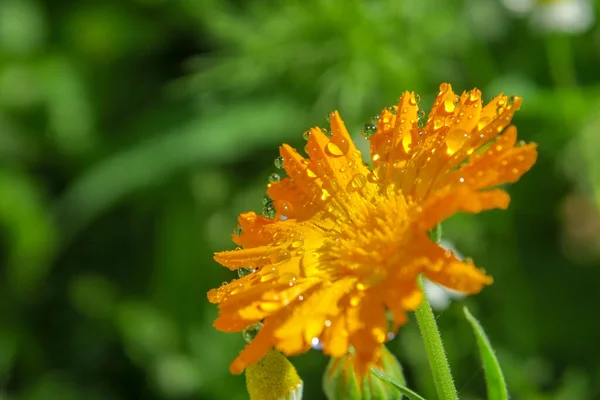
<point>500,163</point>
<point>309,315</point>
<point>255,350</point>
<point>252,230</point>
<point>445,269</point>
<point>444,204</point>
<point>396,138</point>
<point>290,200</point>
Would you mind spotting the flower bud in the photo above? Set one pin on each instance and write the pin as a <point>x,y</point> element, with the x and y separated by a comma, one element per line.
<point>273,378</point>
<point>341,382</point>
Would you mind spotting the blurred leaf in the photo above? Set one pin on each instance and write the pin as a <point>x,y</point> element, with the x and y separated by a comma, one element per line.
<point>9,344</point>
<point>22,26</point>
<point>496,386</point>
<point>93,295</point>
<point>19,86</point>
<point>227,136</point>
<point>177,375</point>
<point>147,332</point>
<point>32,236</point>
<point>70,116</point>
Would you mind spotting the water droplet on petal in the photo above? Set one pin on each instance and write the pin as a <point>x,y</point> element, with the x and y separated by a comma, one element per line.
<point>269,211</point>
<point>449,106</point>
<point>438,122</point>
<point>278,162</point>
<point>333,150</point>
<point>274,178</point>
<point>368,130</point>
<point>306,135</point>
<point>297,243</point>
<point>326,132</point>
<point>316,344</point>
<point>358,181</point>
<point>474,95</point>
<point>454,140</point>
<point>251,331</point>
<point>244,271</point>
<point>483,122</point>
<point>237,231</point>
<point>332,186</point>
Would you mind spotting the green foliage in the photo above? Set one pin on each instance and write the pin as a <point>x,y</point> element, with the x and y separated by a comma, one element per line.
<point>496,387</point>
<point>132,133</point>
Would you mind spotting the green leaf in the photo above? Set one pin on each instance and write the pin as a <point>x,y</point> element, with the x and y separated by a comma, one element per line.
<point>401,388</point>
<point>496,386</point>
<point>436,233</point>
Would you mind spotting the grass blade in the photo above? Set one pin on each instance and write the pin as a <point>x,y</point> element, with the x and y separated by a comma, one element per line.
<point>401,388</point>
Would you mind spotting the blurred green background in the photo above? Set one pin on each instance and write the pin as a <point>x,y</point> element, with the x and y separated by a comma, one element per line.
<point>132,133</point>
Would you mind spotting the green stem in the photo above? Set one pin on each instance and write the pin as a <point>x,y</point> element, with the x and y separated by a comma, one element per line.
<point>442,377</point>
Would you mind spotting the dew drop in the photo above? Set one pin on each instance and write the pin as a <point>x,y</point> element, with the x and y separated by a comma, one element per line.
<point>391,110</point>
<point>439,122</point>
<point>454,140</point>
<point>368,130</point>
<point>306,135</point>
<point>297,243</point>
<point>274,178</point>
<point>358,181</point>
<point>251,331</point>
<point>266,199</point>
<point>327,323</point>
<point>449,106</point>
<point>237,231</point>
<point>332,186</point>
<point>310,173</point>
<point>474,95</point>
<point>244,271</point>
<point>333,150</point>
<point>326,132</point>
<point>315,343</point>
<point>269,211</point>
<point>443,87</point>
<point>278,162</point>
<point>483,123</point>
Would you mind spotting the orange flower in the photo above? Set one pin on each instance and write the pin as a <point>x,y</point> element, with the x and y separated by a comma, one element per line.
<point>348,242</point>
